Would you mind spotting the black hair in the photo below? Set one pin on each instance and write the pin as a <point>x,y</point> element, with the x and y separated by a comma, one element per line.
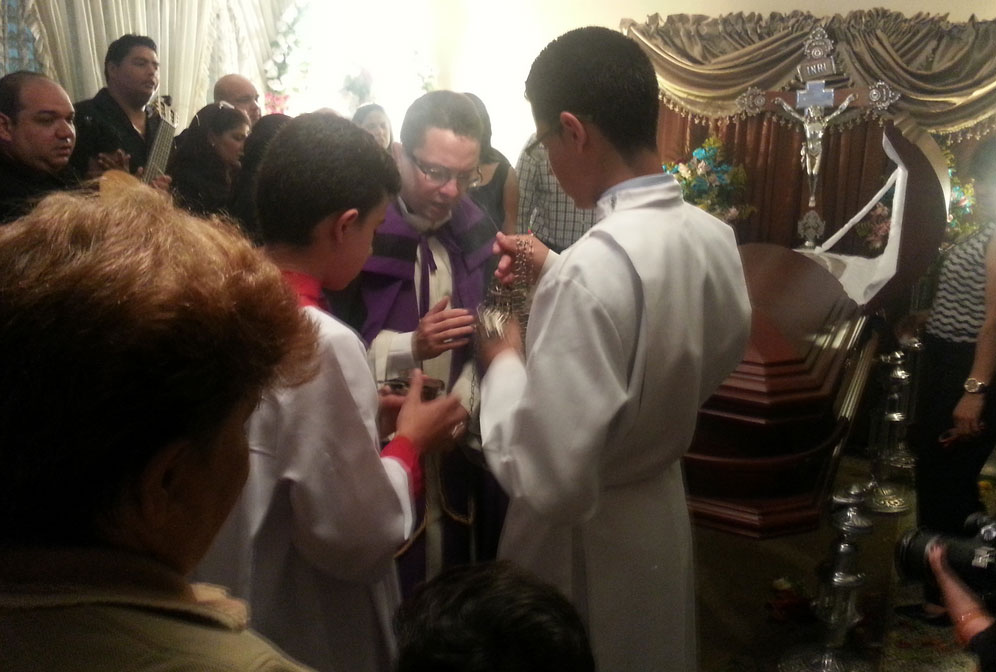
<point>490,617</point>
<point>364,110</point>
<point>447,110</point>
<point>603,75</point>
<point>202,182</point>
<point>244,194</point>
<point>319,164</point>
<point>488,153</point>
<point>10,91</point>
<point>121,47</point>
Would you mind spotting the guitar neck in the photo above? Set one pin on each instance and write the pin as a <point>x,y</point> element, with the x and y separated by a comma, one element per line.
<point>161,145</point>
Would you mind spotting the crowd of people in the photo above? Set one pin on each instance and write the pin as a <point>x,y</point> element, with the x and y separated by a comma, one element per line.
<point>263,370</point>
<point>303,410</point>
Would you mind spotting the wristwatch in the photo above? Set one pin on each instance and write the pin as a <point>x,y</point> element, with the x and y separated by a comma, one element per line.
<point>974,386</point>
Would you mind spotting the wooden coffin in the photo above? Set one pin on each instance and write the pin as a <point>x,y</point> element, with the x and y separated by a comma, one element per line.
<point>768,441</point>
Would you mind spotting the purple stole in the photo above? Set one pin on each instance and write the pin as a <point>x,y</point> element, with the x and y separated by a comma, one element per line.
<point>388,278</point>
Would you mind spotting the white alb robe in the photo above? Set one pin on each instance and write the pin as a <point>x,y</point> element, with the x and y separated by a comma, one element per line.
<point>631,329</point>
<point>311,542</point>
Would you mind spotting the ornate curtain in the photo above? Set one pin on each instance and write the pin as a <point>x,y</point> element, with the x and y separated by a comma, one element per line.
<point>945,73</point>
<point>194,39</point>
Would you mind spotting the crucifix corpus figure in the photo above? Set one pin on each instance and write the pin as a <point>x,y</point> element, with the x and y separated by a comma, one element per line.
<point>814,100</point>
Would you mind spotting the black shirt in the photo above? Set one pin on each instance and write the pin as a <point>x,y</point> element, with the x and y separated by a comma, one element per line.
<point>103,127</point>
<point>21,187</point>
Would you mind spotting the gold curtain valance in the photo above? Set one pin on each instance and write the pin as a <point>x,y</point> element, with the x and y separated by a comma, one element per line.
<point>944,71</point>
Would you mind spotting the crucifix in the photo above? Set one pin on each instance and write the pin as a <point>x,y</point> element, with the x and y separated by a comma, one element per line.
<point>810,107</point>
<point>814,100</point>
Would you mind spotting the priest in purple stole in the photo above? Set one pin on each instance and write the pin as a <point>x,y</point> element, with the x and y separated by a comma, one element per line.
<point>415,304</point>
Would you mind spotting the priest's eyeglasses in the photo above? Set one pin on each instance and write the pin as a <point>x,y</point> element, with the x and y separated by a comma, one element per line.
<point>439,176</point>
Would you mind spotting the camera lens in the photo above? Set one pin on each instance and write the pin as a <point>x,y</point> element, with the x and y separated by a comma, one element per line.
<point>911,555</point>
<point>972,559</point>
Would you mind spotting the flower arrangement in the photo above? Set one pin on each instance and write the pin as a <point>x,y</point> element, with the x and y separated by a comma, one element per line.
<point>709,183</point>
<point>874,228</point>
<point>961,218</point>
<point>278,68</point>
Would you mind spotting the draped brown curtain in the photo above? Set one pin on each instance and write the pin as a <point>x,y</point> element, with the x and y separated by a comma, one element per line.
<point>854,168</point>
<point>944,71</point>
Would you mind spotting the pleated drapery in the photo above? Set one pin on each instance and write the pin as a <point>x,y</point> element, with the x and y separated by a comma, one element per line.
<point>945,73</point>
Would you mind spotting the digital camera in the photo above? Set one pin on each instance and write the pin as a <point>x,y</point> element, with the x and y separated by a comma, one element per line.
<point>971,558</point>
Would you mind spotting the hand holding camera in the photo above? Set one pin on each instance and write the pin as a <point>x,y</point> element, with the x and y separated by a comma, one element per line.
<point>431,423</point>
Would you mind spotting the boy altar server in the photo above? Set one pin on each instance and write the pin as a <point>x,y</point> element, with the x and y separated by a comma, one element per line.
<point>312,540</point>
<point>631,329</point>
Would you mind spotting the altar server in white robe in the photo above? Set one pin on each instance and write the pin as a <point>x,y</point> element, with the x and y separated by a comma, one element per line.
<point>630,330</point>
<point>311,541</point>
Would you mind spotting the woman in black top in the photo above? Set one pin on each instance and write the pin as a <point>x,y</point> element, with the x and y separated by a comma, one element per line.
<point>498,192</point>
<point>206,163</point>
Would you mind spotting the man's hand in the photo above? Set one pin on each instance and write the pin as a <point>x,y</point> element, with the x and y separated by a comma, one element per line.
<point>116,160</point>
<point>508,247</point>
<point>442,329</point>
<point>162,182</point>
<point>431,425</point>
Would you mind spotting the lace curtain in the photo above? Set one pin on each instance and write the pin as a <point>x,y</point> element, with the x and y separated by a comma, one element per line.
<point>17,43</point>
<point>944,71</point>
<point>198,40</point>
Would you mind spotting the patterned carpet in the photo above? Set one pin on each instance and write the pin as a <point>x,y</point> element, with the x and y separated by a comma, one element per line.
<point>911,646</point>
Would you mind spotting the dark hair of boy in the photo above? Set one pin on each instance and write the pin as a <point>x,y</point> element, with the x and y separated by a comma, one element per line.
<point>601,76</point>
<point>119,49</point>
<point>446,110</point>
<point>490,617</point>
<point>317,165</point>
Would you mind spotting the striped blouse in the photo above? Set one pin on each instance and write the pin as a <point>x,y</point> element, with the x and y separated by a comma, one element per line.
<point>960,302</point>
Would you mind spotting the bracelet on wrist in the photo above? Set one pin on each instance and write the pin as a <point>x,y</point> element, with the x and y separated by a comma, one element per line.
<point>966,616</point>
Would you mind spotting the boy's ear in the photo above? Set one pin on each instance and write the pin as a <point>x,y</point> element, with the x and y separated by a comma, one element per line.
<point>575,132</point>
<point>342,222</point>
